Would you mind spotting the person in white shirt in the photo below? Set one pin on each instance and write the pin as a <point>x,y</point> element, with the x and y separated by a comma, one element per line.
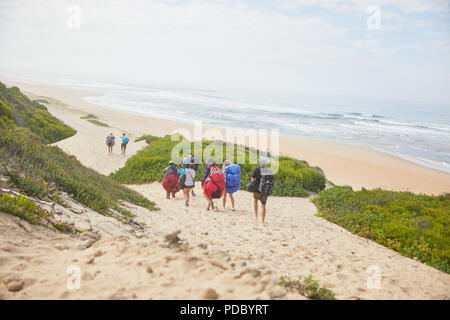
<point>189,182</point>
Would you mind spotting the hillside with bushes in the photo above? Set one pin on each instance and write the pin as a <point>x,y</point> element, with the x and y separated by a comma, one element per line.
<point>294,178</point>
<point>32,115</point>
<point>417,226</point>
<point>45,172</point>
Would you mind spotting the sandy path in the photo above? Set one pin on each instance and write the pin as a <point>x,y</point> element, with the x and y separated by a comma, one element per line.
<point>295,242</point>
<point>34,265</point>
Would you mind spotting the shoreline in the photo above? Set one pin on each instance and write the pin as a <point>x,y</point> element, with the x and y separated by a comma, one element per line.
<point>403,157</point>
<point>343,164</point>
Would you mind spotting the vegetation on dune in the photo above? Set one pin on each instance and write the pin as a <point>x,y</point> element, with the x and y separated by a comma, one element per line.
<point>294,178</point>
<point>98,123</point>
<point>92,118</point>
<point>148,138</point>
<point>417,226</point>
<point>44,171</point>
<point>22,207</point>
<point>89,116</point>
<point>32,115</point>
<point>308,287</point>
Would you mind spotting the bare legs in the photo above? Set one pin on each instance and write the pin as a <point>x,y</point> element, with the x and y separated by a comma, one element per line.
<point>225,199</point>
<point>186,193</point>
<point>110,148</point>
<point>170,193</point>
<point>123,148</point>
<point>263,210</point>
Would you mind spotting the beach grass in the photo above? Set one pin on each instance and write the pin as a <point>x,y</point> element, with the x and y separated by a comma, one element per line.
<point>416,226</point>
<point>89,116</point>
<point>92,118</point>
<point>147,138</point>
<point>98,123</point>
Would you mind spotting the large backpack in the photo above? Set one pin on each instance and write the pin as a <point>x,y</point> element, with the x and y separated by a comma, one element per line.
<point>266,182</point>
<point>215,183</point>
<point>171,170</point>
<point>125,140</point>
<point>182,180</point>
<point>170,184</point>
<point>233,178</point>
<point>110,140</point>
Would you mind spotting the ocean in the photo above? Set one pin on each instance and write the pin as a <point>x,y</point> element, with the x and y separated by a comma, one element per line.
<point>418,132</point>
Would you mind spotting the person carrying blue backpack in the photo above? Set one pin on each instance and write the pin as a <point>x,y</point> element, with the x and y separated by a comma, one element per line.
<point>232,181</point>
<point>123,146</point>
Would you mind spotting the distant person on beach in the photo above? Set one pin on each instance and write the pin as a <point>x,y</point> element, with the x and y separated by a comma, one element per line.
<point>263,179</point>
<point>187,161</point>
<point>170,182</point>
<point>125,141</point>
<point>213,184</point>
<point>232,181</point>
<point>110,142</point>
<point>187,181</point>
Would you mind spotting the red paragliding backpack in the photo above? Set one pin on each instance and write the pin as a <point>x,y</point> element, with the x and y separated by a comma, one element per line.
<point>214,184</point>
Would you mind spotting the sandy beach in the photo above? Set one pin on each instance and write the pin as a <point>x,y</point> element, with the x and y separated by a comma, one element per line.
<point>343,164</point>
<point>235,257</point>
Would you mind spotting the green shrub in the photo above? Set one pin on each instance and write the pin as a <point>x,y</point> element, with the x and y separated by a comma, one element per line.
<point>5,111</point>
<point>22,208</point>
<point>147,137</point>
<point>414,225</point>
<point>32,115</point>
<point>308,287</point>
<point>89,116</point>
<point>98,123</point>
<point>293,179</point>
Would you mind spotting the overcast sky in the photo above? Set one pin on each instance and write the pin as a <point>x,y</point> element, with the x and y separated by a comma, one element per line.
<point>299,46</point>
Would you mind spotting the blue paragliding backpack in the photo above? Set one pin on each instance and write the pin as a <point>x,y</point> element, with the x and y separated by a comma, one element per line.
<point>233,178</point>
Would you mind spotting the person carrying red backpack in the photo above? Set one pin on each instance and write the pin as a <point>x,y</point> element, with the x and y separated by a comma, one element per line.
<point>170,182</point>
<point>214,184</point>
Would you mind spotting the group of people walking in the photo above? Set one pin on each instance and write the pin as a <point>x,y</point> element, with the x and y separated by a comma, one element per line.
<point>218,183</point>
<point>111,141</point>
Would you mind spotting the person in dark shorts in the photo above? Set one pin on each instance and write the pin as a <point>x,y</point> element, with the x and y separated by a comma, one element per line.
<point>258,196</point>
<point>123,146</point>
<point>110,142</point>
<point>187,161</point>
